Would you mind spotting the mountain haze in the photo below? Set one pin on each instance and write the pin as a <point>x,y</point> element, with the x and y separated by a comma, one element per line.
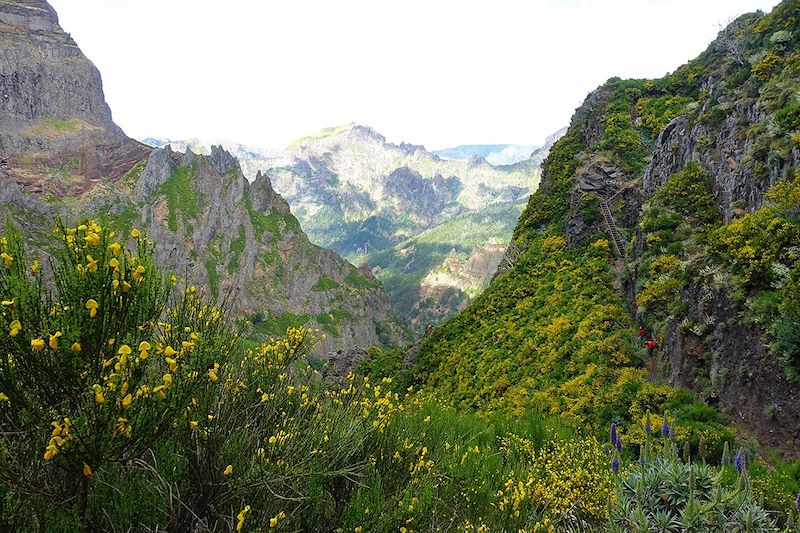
<point>432,230</point>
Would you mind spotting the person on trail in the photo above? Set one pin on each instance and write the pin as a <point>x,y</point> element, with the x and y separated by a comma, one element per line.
<point>651,345</point>
<point>713,399</point>
<point>642,334</point>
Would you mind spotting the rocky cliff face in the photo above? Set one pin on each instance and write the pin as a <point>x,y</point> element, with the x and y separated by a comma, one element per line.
<point>239,239</point>
<point>56,132</point>
<point>685,164</point>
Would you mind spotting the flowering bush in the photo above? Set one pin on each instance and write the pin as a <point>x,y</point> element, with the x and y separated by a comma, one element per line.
<point>666,494</point>
<point>86,375</point>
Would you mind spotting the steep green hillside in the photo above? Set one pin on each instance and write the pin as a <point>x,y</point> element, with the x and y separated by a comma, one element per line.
<point>698,169</point>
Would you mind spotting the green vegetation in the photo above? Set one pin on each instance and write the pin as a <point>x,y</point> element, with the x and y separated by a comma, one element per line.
<point>181,425</point>
<point>132,176</point>
<point>761,252</point>
<point>324,283</point>
<point>182,199</point>
<point>332,319</point>
<point>675,224</point>
<point>211,267</point>
<point>667,494</point>
<point>123,219</point>
<point>356,280</point>
<point>276,325</point>
<point>51,127</point>
<point>237,247</point>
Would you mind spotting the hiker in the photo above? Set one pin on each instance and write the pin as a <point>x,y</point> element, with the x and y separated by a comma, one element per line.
<point>713,399</point>
<point>651,345</point>
<point>642,334</point>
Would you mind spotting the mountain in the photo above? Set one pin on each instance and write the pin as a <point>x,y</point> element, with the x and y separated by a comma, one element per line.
<point>432,230</point>
<point>63,156</point>
<point>496,154</point>
<point>669,204</point>
<point>56,131</point>
<point>251,158</point>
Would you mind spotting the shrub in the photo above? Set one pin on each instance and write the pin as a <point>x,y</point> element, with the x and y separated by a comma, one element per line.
<point>666,494</point>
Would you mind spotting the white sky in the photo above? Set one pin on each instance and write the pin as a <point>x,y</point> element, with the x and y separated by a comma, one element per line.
<point>432,72</point>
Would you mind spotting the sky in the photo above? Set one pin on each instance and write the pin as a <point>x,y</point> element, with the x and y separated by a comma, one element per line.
<point>434,72</point>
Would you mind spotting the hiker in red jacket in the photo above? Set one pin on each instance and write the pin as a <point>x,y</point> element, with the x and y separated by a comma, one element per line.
<point>651,345</point>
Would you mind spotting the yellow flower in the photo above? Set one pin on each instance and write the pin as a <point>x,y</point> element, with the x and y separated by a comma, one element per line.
<point>91,266</point>
<point>167,380</point>
<point>241,517</point>
<point>115,248</point>
<point>173,364</point>
<point>174,280</point>
<point>228,470</point>
<point>193,424</point>
<point>53,341</point>
<point>114,263</point>
<point>126,401</point>
<point>273,522</point>
<point>135,233</point>
<point>358,529</point>
<point>7,260</point>
<point>4,398</point>
<point>144,349</point>
<point>92,238</point>
<point>92,306</point>
<point>124,350</point>
<point>169,352</point>
<point>212,372</point>
<point>50,452</point>
<point>76,347</point>
<point>14,328</point>
<point>87,470</point>
<point>99,398</point>
<point>138,273</point>
<point>35,267</point>
<point>37,344</point>
<point>125,286</point>
<point>11,304</point>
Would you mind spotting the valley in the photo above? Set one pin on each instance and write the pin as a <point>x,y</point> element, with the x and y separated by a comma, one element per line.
<point>354,335</point>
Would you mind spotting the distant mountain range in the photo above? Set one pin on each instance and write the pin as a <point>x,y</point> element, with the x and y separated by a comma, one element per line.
<point>496,154</point>
<point>432,228</point>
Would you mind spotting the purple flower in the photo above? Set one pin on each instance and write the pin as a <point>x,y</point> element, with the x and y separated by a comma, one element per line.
<point>614,433</point>
<point>740,461</point>
<point>618,444</point>
<point>665,430</point>
<point>615,465</point>
<point>648,428</point>
<point>797,502</point>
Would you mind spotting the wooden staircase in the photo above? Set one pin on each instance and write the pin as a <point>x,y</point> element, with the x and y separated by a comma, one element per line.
<point>612,228</point>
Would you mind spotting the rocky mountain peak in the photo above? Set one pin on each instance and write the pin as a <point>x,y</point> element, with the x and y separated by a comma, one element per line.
<point>30,15</point>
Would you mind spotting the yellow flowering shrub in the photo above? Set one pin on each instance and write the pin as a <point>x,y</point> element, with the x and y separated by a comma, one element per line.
<point>83,363</point>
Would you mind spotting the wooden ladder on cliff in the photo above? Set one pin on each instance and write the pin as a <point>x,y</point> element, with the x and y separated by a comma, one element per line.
<point>612,228</point>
